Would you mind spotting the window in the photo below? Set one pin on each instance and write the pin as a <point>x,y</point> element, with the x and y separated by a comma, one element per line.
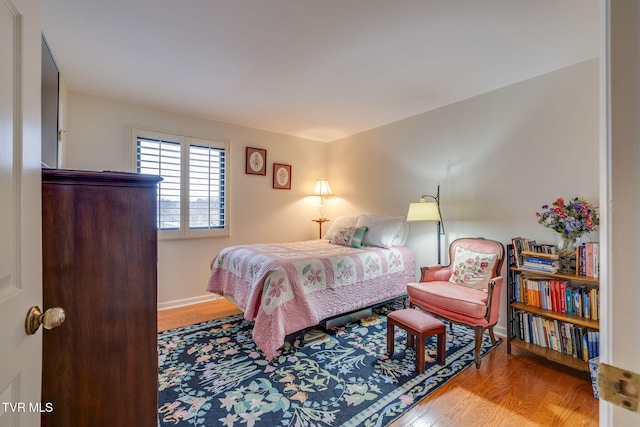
<point>192,196</point>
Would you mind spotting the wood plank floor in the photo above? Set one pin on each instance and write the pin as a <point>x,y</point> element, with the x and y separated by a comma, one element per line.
<point>508,390</point>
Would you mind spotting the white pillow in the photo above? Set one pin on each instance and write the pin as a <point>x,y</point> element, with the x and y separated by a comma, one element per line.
<point>471,268</point>
<point>384,231</point>
<point>339,223</point>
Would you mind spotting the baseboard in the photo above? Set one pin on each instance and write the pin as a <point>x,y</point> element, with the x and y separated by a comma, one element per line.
<point>501,331</point>
<point>187,301</point>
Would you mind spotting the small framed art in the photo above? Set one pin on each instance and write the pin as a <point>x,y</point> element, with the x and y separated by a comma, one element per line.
<point>256,161</point>
<point>281,176</point>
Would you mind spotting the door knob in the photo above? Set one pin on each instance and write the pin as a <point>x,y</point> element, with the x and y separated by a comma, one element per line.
<point>50,319</point>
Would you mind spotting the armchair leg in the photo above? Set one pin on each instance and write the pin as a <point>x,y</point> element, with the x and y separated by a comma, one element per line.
<point>479,330</point>
<point>493,338</point>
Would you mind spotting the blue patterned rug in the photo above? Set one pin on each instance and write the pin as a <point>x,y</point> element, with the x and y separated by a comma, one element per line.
<point>212,374</point>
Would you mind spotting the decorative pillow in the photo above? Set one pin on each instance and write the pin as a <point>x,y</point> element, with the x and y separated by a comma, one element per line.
<point>350,236</point>
<point>384,231</point>
<point>338,223</point>
<point>471,268</point>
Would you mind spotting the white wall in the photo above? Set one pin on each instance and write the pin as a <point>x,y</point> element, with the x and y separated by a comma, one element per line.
<point>498,157</point>
<point>97,138</point>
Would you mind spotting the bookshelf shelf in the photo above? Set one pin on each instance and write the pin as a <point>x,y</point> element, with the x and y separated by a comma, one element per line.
<point>576,320</point>
<point>563,276</point>
<point>552,355</point>
<point>557,326</point>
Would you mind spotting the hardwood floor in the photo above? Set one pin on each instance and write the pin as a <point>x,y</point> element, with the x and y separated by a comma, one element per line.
<point>508,390</point>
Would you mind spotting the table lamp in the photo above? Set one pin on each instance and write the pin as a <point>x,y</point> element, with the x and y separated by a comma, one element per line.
<point>321,189</point>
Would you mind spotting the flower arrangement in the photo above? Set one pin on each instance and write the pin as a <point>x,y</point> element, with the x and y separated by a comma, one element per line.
<point>571,219</point>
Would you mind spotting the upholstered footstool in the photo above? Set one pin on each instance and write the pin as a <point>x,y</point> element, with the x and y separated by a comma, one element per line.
<point>420,325</point>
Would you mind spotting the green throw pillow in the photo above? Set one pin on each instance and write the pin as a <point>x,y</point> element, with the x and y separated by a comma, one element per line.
<point>350,236</point>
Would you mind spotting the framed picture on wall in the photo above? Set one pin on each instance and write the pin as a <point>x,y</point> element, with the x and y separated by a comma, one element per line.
<point>256,161</point>
<point>281,176</point>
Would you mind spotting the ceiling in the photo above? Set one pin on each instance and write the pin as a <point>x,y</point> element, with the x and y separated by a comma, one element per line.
<point>316,69</point>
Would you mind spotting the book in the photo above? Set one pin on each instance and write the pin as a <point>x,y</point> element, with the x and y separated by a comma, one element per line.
<point>593,351</point>
<point>569,300</point>
<point>562,284</point>
<point>542,334</point>
<point>541,255</point>
<point>594,303</point>
<point>536,260</point>
<point>516,288</point>
<point>577,340</point>
<point>596,260</point>
<point>519,327</point>
<point>586,303</point>
<point>577,302</point>
<point>543,268</point>
<point>520,244</point>
<point>588,259</point>
<point>569,340</point>
<point>585,347</point>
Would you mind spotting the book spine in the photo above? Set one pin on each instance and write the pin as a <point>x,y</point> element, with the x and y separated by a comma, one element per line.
<point>577,302</point>
<point>596,260</point>
<point>585,347</point>
<point>577,341</point>
<point>569,300</point>
<point>520,328</point>
<point>586,308</point>
<point>540,267</point>
<point>543,261</point>
<point>588,248</point>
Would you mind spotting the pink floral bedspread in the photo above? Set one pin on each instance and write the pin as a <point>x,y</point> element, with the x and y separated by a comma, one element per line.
<point>286,287</point>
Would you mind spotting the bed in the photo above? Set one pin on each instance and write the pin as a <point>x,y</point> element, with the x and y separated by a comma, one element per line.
<point>288,287</point>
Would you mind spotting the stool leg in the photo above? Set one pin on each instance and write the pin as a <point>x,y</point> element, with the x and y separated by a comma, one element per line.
<point>420,360</point>
<point>390,338</point>
<point>442,348</point>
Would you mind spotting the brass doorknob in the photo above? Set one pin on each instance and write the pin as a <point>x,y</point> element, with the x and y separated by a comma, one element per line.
<point>50,319</point>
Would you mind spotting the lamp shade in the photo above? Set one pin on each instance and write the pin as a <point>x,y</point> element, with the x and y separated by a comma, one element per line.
<point>322,188</point>
<point>423,211</point>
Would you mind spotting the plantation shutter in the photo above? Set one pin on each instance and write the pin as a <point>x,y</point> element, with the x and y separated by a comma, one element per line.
<point>160,157</point>
<point>207,184</point>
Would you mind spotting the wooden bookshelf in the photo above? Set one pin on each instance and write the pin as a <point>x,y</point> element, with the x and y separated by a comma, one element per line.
<point>516,308</point>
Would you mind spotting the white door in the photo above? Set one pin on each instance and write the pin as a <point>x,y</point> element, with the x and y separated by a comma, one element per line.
<point>620,195</point>
<point>20,211</point>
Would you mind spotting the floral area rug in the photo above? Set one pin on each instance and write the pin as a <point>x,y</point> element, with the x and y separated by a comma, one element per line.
<point>212,374</point>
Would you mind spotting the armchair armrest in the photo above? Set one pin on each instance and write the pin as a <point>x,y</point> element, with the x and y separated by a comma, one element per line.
<point>435,273</point>
<point>494,288</point>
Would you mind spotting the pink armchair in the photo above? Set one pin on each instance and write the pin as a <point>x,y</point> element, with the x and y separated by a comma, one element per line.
<point>468,290</point>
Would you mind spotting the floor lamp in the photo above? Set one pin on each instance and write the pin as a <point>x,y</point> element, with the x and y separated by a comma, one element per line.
<point>428,209</point>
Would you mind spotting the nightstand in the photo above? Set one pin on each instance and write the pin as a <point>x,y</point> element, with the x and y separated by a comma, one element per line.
<point>320,221</point>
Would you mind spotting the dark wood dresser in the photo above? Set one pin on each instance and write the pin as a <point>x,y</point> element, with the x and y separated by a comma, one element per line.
<point>100,367</point>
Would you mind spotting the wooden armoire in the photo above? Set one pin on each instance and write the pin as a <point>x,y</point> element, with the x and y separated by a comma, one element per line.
<point>100,367</point>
